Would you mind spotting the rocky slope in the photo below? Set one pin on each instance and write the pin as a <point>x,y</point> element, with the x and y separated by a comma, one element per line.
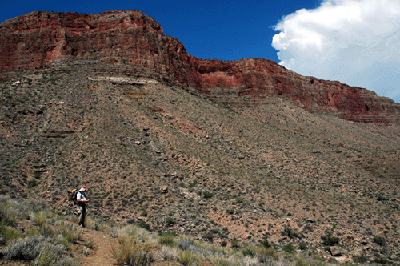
<point>168,155</point>
<point>40,39</point>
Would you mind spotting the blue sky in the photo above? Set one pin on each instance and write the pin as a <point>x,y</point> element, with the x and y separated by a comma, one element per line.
<point>225,30</point>
<point>328,39</point>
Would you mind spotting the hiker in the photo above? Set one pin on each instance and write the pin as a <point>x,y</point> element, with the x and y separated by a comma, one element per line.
<point>81,205</point>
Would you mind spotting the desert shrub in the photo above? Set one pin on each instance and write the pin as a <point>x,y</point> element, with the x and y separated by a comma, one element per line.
<point>39,218</point>
<point>168,254</point>
<point>360,259</point>
<point>380,260</point>
<point>329,240</point>
<point>264,253</point>
<point>265,243</point>
<point>106,228</point>
<point>209,237</point>
<point>305,261</point>
<point>186,257</point>
<point>7,217</point>
<point>32,183</point>
<point>39,249</point>
<point>184,243</point>
<point>26,249</point>
<point>166,238</point>
<point>288,248</point>
<point>234,243</point>
<point>290,232</point>
<point>9,233</point>
<point>135,232</point>
<point>169,221</point>
<point>91,224</point>
<point>224,243</point>
<point>207,194</point>
<point>230,211</point>
<point>303,245</point>
<point>68,235</point>
<point>143,224</point>
<point>131,251</point>
<point>194,183</point>
<point>54,255</point>
<point>249,252</point>
<point>380,240</point>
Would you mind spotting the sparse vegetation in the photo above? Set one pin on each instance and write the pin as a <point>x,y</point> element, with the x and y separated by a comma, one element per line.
<point>228,171</point>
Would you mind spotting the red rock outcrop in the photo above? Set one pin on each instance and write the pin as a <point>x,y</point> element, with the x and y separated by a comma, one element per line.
<point>40,39</point>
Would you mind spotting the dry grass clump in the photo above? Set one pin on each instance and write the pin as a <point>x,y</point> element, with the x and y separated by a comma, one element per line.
<point>132,251</point>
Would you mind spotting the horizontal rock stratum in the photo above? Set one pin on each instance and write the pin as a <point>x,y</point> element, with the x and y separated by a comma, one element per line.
<point>40,39</point>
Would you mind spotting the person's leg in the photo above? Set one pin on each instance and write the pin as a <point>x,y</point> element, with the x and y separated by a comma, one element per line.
<point>83,220</point>
<point>80,213</point>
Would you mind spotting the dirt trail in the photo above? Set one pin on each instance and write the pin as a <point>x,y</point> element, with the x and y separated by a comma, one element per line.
<point>101,255</point>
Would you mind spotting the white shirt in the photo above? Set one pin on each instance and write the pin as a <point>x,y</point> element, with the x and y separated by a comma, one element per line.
<point>80,195</point>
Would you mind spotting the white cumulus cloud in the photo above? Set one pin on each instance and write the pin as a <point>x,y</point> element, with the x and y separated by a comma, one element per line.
<point>356,42</point>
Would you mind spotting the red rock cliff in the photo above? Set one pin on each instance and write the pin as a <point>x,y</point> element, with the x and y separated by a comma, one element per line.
<point>39,39</point>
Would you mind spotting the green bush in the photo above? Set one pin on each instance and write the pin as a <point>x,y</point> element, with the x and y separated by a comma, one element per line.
<point>169,221</point>
<point>207,194</point>
<point>194,183</point>
<point>230,211</point>
<point>234,243</point>
<point>143,224</point>
<point>265,243</point>
<point>288,248</point>
<point>291,232</point>
<point>330,240</point>
<point>303,245</point>
<point>209,237</point>
<point>32,183</point>
<point>380,240</point>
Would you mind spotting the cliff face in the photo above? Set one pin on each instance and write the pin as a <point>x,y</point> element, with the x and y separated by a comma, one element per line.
<point>39,39</point>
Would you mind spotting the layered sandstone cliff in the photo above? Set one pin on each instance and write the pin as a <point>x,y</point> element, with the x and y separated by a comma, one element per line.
<point>40,39</point>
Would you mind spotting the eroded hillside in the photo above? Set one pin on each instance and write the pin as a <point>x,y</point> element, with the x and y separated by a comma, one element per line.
<point>169,158</point>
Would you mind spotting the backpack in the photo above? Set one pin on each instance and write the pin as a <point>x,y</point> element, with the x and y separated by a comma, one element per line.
<point>74,196</point>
